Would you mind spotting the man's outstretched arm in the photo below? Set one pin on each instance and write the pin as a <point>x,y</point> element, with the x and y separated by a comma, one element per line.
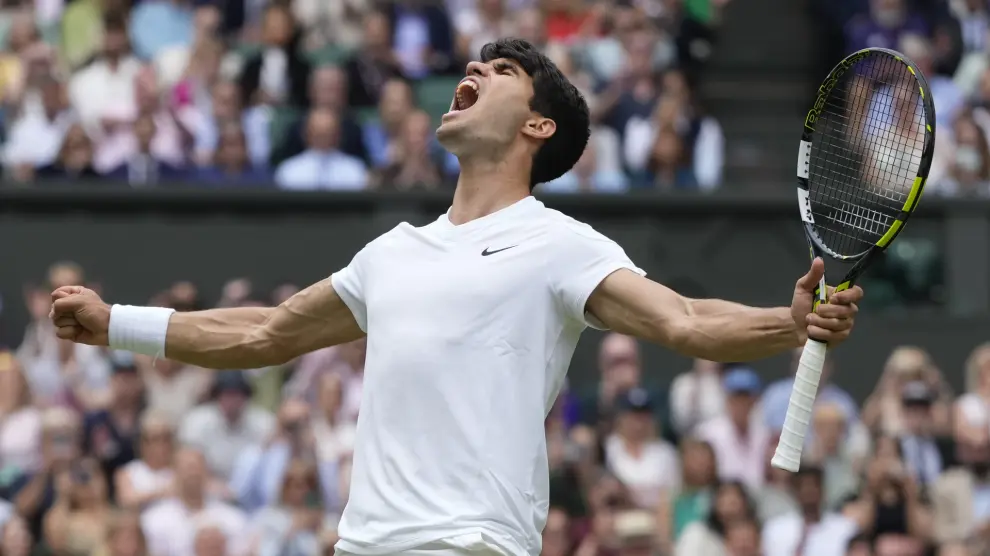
<point>720,330</point>
<point>238,338</point>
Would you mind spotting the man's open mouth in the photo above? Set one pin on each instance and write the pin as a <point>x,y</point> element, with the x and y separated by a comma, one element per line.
<point>465,96</point>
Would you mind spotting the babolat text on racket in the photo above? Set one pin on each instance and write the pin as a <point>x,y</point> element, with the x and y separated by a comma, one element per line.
<point>862,164</point>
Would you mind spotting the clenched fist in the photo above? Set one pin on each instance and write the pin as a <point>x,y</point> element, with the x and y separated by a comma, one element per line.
<point>80,315</point>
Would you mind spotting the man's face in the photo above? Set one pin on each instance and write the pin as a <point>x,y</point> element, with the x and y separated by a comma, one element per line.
<point>328,88</point>
<point>114,43</point>
<point>232,403</point>
<point>396,103</point>
<point>190,470</point>
<point>125,385</point>
<point>743,539</point>
<point>489,108</point>
<point>740,405</point>
<point>322,131</point>
<point>808,491</point>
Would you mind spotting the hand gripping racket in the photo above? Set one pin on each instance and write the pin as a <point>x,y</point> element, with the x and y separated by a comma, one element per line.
<point>862,163</point>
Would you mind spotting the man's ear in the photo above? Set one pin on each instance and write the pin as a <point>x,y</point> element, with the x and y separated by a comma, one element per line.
<point>540,128</point>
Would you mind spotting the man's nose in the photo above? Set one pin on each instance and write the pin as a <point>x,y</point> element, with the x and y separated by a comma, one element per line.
<point>477,68</point>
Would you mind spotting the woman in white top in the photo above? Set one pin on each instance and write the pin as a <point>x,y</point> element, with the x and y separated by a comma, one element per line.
<point>149,478</point>
<point>972,409</point>
<point>731,504</point>
<point>334,433</point>
<point>20,420</point>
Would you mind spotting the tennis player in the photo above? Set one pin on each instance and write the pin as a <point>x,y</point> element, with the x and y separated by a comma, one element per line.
<point>471,323</point>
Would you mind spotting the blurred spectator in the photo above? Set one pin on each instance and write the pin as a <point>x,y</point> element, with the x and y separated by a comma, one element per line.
<point>381,136</point>
<point>75,157</point>
<point>920,448</point>
<point>322,165</point>
<point>730,503</point>
<point>831,451</point>
<point>813,531</point>
<point>971,420</point>
<point>174,526</point>
<point>668,166</point>
<point>226,425</point>
<point>332,430</point>
<point>422,37</point>
<point>742,538</point>
<point>586,177</point>
<point>231,164</point>
<point>739,437</point>
<point>226,106</point>
<point>773,404</point>
<point>22,42</point>
<point>173,388</point>
<point>946,95</point>
<point>144,168</point>
<point>483,23</point>
<point>150,479</point>
<point>696,396</point>
<point>279,74</point>
<point>968,174</point>
<point>159,24</point>
<point>412,165</point>
<point>776,497</point>
<point>557,540</point>
<point>884,25</point>
<point>620,365</point>
<point>336,23</point>
<point>36,137</point>
<point>883,410</point>
<point>79,519</point>
<point>20,421</point>
<point>289,526</point>
<point>260,470</point>
<point>124,537</point>
<point>373,64</point>
<point>103,93</point>
<point>16,538</point>
<point>634,453</point>
<point>692,502</point>
<point>328,90</point>
<point>346,361</point>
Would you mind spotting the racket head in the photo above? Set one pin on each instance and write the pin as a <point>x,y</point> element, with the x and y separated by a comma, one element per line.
<point>864,155</point>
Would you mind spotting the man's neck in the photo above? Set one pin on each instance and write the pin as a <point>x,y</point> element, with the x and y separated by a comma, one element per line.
<point>485,187</point>
<point>193,501</point>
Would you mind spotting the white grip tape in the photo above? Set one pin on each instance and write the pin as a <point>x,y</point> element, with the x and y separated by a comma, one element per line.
<point>139,329</point>
<point>809,374</point>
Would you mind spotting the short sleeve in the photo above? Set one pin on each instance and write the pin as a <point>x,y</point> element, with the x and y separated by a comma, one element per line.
<point>349,283</point>
<point>583,258</point>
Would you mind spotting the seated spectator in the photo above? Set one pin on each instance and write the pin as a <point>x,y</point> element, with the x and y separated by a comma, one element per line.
<point>159,24</point>
<point>328,90</point>
<point>226,425</point>
<point>332,430</point>
<point>74,159</point>
<point>103,96</point>
<point>699,479</point>
<point>147,480</point>
<point>16,539</point>
<point>481,24</point>
<point>812,530</point>
<point>279,74</point>
<point>20,420</point>
<point>669,165</point>
<point>79,519</point>
<point>742,538</point>
<point>145,168</point>
<point>969,171</point>
<point>422,37</point>
<point>261,467</point>
<point>34,493</point>
<point>971,412</point>
<point>587,177</point>
<point>172,527</point>
<point>925,455</point>
<point>322,165</point>
<point>110,432</point>
<point>226,106</point>
<point>380,136</point>
<point>35,137</point>
<point>883,410</point>
<point>231,165</point>
<point>373,64</point>
<point>696,396</point>
<point>412,165</point>
<point>739,438</point>
<point>776,497</point>
<point>289,527</point>
<point>831,451</point>
<point>946,96</point>
<point>634,453</point>
<point>124,537</point>
<point>337,23</point>
<point>730,503</point>
<point>173,389</point>
<point>621,369</point>
<point>884,25</point>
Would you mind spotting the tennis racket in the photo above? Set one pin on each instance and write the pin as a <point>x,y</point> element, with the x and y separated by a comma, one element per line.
<point>862,164</point>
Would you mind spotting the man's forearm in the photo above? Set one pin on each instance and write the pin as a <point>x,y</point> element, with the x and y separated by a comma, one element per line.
<point>725,331</point>
<point>222,338</point>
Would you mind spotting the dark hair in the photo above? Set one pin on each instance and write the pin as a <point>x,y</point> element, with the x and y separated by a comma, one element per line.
<point>115,21</point>
<point>715,522</point>
<point>554,97</point>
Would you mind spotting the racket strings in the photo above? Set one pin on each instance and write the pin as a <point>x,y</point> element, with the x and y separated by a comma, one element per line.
<point>866,152</point>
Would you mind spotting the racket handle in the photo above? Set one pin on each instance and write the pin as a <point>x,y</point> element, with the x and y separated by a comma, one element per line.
<point>809,374</point>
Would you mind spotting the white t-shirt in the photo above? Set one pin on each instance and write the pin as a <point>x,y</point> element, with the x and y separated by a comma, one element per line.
<point>655,470</point>
<point>471,329</point>
<point>829,537</point>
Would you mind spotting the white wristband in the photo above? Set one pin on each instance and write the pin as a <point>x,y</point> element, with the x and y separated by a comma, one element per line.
<point>139,329</point>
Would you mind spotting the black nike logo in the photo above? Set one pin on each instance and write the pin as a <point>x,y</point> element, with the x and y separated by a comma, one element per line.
<point>487,252</point>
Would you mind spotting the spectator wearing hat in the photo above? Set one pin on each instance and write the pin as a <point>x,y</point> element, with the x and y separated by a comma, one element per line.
<point>923,451</point>
<point>225,426</point>
<point>739,438</point>
<point>647,465</point>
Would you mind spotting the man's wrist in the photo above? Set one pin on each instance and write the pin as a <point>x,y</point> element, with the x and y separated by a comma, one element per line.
<point>139,329</point>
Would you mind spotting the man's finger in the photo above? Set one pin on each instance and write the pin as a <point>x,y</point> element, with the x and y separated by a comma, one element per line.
<point>824,335</point>
<point>810,281</point>
<point>65,320</point>
<point>845,297</point>
<point>68,332</point>
<point>836,311</point>
<point>66,291</point>
<point>65,305</point>
<point>833,324</point>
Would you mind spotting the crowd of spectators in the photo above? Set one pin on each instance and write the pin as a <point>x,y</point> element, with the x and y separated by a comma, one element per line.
<point>110,454</point>
<point>343,94</point>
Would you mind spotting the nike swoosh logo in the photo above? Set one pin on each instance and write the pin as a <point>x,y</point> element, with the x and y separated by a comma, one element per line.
<point>487,252</point>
